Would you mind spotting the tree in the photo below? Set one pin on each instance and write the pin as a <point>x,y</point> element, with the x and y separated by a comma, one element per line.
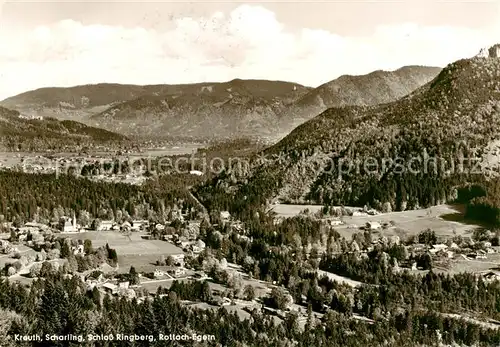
<point>133,276</point>
<point>53,254</point>
<point>96,297</point>
<point>35,270</point>
<point>87,246</point>
<point>66,250</point>
<point>249,292</point>
<point>46,269</point>
<point>84,218</point>
<point>161,261</point>
<point>96,223</point>
<point>13,236</point>
<point>112,254</point>
<point>425,261</point>
<point>279,298</point>
<point>41,256</point>
<point>427,237</point>
<point>72,264</point>
<point>206,293</point>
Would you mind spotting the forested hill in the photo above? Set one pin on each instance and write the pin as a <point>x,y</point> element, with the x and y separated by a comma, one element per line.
<point>20,133</point>
<point>455,116</point>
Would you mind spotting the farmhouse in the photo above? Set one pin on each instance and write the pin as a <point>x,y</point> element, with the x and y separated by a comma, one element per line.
<point>36,226</point>
<point>178,258</point>
<point>139,224</point>
<point>491,276</point>
<point>105,225</point>
<point>225,215</point>
<point>438,248</point>
<point>373,225</point>
<point>123,285</point>
<point>176,272</point>
<point>335,222</point>
<point>126,226</point>
<point>78,250</point>
<point>199,246</point>
<point>110,288</point>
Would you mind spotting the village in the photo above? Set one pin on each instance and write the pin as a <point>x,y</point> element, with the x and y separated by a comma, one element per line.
<point>137,259</point>
<point>97,167</point>
<point>149,256</point>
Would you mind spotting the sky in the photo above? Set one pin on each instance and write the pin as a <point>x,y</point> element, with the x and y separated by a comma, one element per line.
<point>66,43</point>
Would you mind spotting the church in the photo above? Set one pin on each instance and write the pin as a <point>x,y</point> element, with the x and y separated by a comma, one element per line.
<point>69,225</point>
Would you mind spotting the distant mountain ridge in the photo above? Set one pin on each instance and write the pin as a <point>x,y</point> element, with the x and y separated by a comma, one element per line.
<point>375,88</point>
<point>223,110</point>
<point>238,108</point>
<point>22,133</point>
<point>246,107</point>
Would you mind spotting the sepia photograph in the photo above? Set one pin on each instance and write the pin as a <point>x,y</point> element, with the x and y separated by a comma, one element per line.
<point>282,173</point>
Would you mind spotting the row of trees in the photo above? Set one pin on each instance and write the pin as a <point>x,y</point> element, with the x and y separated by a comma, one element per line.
<point>28,197</point>
<point>59,306</point>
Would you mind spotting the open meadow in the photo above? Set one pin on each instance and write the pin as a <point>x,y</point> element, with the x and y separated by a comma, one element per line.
<point>404,223</point>
<point>132,250</point>
<point>412,222</point>
<point>287,211</point>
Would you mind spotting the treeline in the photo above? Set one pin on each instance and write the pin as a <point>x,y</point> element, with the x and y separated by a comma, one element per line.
<point>59,305</point>
<point>45,197</point>
<point>483,202</point>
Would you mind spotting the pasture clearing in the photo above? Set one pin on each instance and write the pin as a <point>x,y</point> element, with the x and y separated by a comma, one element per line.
<point>411,222</point>
<point>461,264</point>
<point>339,279</point>
<point>152,285</point>
<point>404,223</point>
<point>132,250</point>
<point>286,210</point>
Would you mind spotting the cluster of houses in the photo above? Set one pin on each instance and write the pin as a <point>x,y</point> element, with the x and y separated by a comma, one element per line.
<point>74,165</point>
<point>106,286</point>
<point>6,247</point>
<point>171,271</point>
<point>30,117</point>
<point>135,225</point>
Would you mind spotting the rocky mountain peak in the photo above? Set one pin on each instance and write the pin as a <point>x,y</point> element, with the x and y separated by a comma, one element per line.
<point>492,52</point>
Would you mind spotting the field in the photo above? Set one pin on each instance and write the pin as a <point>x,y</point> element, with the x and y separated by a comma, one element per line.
<point>404,223</point>
<point>286,211</point>
<point>131,250</point>
<point>152,285</point>
<point>412,222</point>
<point>339,279</point>
<point>461,264</point>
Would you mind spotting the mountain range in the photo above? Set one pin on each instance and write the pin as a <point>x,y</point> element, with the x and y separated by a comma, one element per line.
<point>384,155</point>
<point>375,88</point>
<point>238,108</point>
